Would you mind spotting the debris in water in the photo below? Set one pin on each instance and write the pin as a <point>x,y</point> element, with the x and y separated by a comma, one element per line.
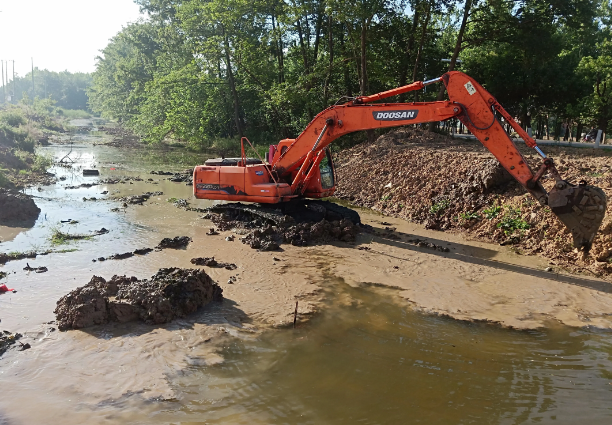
<point>211,262</point>
<point>171,293</point>
<point>176,242</point>
<point>8,339</point>
<point>41,269</point>
<point>4,288</point>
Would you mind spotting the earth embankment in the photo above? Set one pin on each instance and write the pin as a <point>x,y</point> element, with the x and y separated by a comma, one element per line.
<point>455,184</point>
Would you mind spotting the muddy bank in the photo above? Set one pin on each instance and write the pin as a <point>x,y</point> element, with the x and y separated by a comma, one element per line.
<point>16,207</point>
<point>169,294</point>
<point>451,184</point>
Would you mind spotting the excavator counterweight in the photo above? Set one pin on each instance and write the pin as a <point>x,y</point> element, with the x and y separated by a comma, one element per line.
<point>303,167</point>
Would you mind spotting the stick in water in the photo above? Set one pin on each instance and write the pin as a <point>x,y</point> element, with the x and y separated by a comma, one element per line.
<point>295,315</point>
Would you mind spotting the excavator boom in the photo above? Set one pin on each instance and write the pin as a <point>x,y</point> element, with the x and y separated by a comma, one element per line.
<point>295,165</point>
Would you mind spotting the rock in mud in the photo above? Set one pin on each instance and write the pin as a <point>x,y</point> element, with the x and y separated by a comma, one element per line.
<point>211,262</point>
<point>176,242</point>
<point>169,294</point>
<point>41,269</point>
<point>17,207</point>
<point>8,339</point>
<point>139,199</point>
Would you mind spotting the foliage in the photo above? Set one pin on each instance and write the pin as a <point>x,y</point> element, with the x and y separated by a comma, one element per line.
<point>439,206</point>
<point>68,90</point>
<point>59,238</point>
<point>512,221</point>
<point>198,71</point>
<point>467,216</point>
<point>492,212</point>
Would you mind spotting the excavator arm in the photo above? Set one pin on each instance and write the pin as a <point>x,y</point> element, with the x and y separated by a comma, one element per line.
<point>580,207</point>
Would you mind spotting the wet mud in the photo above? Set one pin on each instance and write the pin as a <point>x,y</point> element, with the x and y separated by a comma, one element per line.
<point>169,294</point>
<point>299,224</point>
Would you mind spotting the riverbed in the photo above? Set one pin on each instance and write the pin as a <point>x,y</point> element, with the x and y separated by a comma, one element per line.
<point>394,332</point>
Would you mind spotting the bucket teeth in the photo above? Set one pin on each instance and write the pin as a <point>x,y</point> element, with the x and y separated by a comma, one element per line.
<point>581,209</point>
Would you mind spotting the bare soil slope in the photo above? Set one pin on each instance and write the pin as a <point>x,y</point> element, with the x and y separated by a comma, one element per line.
<point>448,183</point>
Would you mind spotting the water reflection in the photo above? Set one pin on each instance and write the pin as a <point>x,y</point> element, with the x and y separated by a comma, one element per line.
<point>376,362</point>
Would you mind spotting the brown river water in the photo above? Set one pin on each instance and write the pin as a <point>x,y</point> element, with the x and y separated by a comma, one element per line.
<point>371,354</point>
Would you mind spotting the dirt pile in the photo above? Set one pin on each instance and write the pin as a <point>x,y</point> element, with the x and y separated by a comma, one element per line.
<point>448,183</point>
<point>17,207</point>
<point>171,293</point>
<point>299,223</point>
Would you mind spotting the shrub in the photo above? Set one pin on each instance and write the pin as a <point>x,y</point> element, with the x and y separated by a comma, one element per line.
<point>13,117</point>
<point>439,206</point>
<point>492,212</point>
<point>512,221</point>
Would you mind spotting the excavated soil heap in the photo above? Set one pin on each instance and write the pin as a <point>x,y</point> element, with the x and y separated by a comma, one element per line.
<point>448,183</point>
<point>302,223</point>
<point>169,294</point>
<point>17,207</point>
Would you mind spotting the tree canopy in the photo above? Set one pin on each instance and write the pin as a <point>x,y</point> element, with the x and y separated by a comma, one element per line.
<point>202,70</point>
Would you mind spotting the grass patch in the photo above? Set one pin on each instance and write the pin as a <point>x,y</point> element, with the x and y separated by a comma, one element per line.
<point>467,216</point>
<point>491,213</point>
<point>72,114</point>
<point>439,206</point>
<point>60,238</point>
<point>512,221</point>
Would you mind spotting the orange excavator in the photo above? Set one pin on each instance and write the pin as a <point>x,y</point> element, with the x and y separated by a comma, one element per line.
<point>303,167</point>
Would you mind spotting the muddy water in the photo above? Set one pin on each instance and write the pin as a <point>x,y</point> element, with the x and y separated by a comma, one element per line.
<point>367,357</point>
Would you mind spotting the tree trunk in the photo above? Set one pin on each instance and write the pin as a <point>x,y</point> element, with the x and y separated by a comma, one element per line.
<point>453,62</point>
<point>364,69</point>
<point>420,51</point>
<point>232,83</point>
<point>318,26</point>
<point>303,48</point>
<point>579,131</point>
<point>278,44</point>
<point>330,47</point>
<point>404,71</point>
<point>345,66</point>
<point>364,64</point>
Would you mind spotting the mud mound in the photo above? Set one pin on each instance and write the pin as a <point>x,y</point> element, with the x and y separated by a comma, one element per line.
<point>171,293</point>
<point>17,207</point>
<point>175,243</point>
<point>447,183</point>
<point>299,223</point>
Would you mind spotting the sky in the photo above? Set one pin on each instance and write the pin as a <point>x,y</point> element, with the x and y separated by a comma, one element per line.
<point>60,34</point>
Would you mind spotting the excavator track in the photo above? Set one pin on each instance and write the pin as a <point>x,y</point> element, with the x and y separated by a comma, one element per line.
<point>295,211</point>
<point>581,208</point>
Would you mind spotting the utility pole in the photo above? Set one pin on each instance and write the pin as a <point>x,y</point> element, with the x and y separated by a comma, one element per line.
<point>3,86</point>
<point>33,94</point>
<point>14,88</point>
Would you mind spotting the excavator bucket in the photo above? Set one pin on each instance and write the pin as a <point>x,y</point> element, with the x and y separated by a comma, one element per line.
<point>581,208</point>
